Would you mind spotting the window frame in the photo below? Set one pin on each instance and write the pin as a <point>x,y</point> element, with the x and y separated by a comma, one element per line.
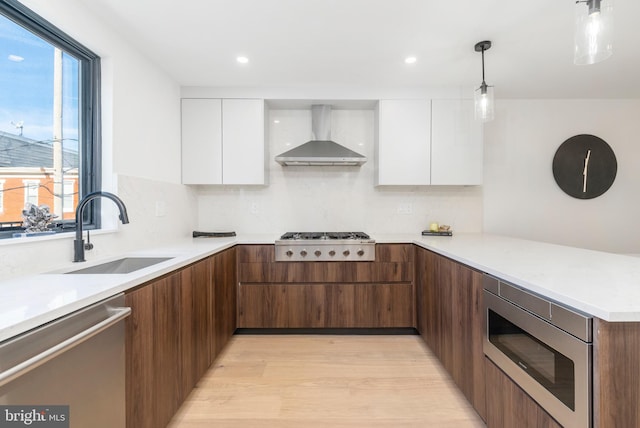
<point>31,189</point>
<point>68,188</point>
<point>89,113</point>
<point>2,181</point>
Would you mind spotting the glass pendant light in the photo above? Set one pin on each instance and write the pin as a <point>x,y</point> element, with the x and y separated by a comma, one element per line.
<point>484,94</point>
<point>594,31</point>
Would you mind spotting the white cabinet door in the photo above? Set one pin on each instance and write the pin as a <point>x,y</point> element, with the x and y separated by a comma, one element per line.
<point>403,143</point>
<point>456,143</point>
<point>223,141</point>
<point>243,149</point>
<point>201,141</point>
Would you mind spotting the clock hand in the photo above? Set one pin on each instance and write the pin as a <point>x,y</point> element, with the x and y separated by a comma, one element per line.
<point>585,171</point>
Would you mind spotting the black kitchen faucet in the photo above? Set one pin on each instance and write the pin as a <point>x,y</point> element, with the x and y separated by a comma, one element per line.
<point>78,243</point>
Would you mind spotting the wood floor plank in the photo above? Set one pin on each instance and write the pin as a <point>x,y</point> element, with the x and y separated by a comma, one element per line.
<point>309,381</point>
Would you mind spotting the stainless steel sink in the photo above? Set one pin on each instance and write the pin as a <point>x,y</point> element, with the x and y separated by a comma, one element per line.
<point>120,266</point>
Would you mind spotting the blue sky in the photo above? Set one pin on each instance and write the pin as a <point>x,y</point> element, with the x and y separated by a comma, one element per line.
<point>26,85</point>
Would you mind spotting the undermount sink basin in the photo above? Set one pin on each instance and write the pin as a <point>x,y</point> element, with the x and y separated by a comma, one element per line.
<point>125,265</point>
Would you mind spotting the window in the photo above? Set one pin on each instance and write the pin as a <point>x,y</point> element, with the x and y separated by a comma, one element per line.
<point>31,188</point>
<point>49,119</point>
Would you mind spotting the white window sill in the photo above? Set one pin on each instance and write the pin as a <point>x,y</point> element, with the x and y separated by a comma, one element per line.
<point>54,237</point>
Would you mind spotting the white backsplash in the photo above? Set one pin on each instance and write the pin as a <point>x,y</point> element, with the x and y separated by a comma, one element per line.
<point>160,212</point>
<point>333,198</point>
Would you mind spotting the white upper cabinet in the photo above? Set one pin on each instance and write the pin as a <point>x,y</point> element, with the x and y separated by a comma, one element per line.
<point>456,143</point>
<point>243,142</point>
<point>403,142</point>
<point>201,141</point>
<point>223,141</point>
<point>423,142</point>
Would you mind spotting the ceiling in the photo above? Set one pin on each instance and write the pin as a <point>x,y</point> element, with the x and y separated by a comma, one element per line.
<point>298,43</point>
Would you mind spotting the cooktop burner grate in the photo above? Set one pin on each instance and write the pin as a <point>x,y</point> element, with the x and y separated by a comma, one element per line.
<point>323,235</point>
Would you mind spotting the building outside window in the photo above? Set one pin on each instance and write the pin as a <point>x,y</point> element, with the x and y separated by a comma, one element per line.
<point>1,196</point>
<point>49,118</point>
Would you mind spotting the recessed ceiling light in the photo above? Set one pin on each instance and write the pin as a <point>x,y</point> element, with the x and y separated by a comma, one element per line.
<point>410,60</point>
<point>276,121</point>
<point>15,58</point>
<point>242,59</point>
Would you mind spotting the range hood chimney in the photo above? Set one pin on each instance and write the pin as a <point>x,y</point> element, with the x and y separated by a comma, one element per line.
<point>320,151</point>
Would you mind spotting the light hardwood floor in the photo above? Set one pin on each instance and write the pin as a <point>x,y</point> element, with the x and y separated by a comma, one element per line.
<point>326,381</point>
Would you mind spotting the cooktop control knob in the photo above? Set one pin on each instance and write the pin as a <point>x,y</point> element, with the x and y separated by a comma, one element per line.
<point>289,253</point>
<point>346,253</point>
<point>332,253</point>
<point>303,253</point>
<point>361,252</point>
<point>317,253</point>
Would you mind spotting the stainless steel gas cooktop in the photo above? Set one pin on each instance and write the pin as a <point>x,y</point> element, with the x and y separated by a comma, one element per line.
<point>325,246</point>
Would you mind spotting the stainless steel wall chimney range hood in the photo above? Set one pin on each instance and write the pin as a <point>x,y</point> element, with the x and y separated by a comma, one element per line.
<point>320,151</point>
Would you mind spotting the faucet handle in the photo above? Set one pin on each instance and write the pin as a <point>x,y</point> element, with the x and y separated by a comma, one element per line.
<point>88,245</point>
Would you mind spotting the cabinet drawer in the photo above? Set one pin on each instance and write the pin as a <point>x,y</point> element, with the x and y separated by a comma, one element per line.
<point>394,263</point>
<point>371,305</point>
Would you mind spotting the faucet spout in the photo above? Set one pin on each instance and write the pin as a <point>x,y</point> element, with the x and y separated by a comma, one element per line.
<point>78,243</point>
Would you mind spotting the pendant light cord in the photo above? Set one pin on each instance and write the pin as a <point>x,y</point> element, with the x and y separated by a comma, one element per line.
<point>483,64</point>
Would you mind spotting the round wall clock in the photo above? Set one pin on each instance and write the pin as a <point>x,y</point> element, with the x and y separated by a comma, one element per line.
<point>584,166</point>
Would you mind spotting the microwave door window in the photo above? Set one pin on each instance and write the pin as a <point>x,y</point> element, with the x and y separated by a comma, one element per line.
<point>550,368</point>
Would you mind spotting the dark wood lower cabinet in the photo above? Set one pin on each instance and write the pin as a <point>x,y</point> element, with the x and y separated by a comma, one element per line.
<point>196,330</point>
<point>467,334</point>
<point>449,318</point>
<point>154,386</point>
<point>375,294</point>
<point>178,325</point>
<point>161,352</point>
<point>509,406</point>
<point>616,374</point>
<point>427,318</point>
<point>325,305</point>
<point>224,288</point>
<point>140,371</point>
<point>167,357</point>
<point>393,263</point>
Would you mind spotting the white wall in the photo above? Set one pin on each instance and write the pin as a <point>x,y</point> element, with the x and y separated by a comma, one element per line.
<point>141,145</point>
<point>141,107</point>
<point>333,198</point>
<point>521,197</point>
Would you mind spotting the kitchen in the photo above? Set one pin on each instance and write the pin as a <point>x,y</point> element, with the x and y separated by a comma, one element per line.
<point>518,197</point>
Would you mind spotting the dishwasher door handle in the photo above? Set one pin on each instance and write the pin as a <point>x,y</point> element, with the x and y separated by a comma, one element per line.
<point>41,358</point>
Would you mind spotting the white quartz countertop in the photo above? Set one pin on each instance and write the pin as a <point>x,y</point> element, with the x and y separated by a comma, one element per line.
<point>601,284</point>
<point>31,301</point>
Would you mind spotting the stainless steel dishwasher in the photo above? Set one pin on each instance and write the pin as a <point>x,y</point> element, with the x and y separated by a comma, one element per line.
<point>76,361</point>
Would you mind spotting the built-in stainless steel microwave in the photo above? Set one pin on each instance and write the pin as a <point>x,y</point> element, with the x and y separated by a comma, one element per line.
<point>544,347</point>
